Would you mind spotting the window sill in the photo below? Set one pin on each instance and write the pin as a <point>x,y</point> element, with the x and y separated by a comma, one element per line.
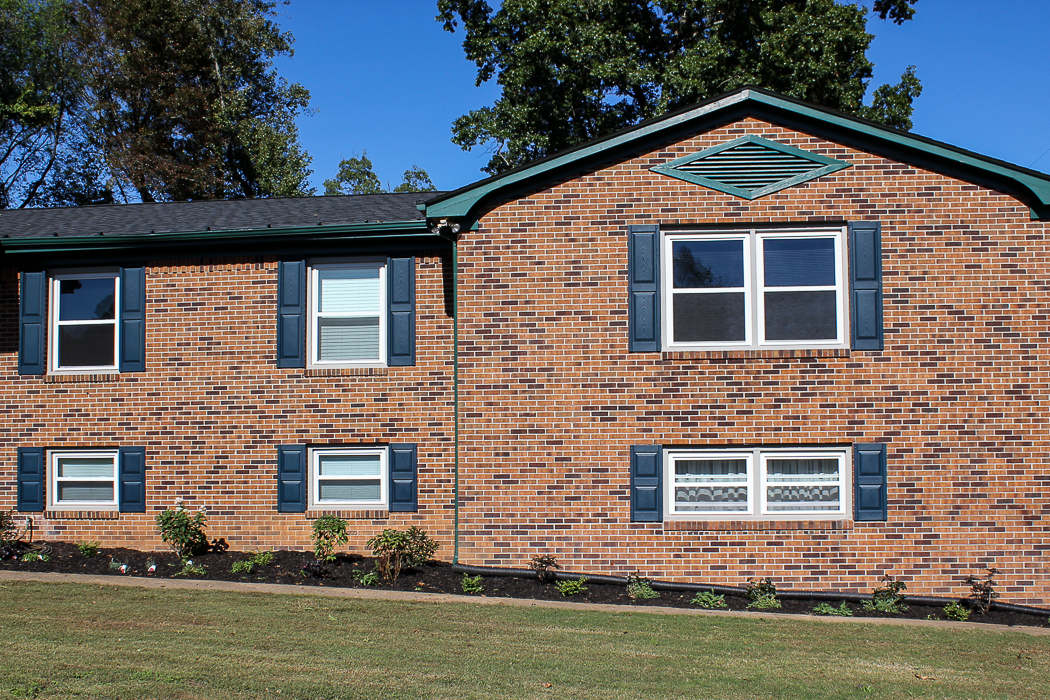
<point>349,514</point>
<point>754,354</point>
<point>82,378</point>
<point>82,514</point>
<point>345,371</point>
<point>754,525</point>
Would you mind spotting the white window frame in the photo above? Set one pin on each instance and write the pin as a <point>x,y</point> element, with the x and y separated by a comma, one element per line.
<point>757,508</point>
<point>313,311</point>
<point>754,287</point>
<point>54,294</point>
<point>315,478</point>
<point>53,479</point>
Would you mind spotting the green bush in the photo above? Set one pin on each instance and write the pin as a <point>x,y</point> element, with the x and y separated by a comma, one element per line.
<point>369,579</point>
<point>763,594</point>
<point>181,531</point>
<point>89,549</point>
<point>639,587</point>
<point>330,531</point>
<point>955,611</point>
<point>35,556</point>
<point>471,584</point>
<point>829,609</point>
<point>568,588</point>
<point>395,550</point>
<point>887,598</point>
<point>248,565</point>
<point>191,569</point>
<point>709,600</point>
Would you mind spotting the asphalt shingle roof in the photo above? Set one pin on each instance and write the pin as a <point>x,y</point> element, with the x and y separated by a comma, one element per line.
<point>215,215</point>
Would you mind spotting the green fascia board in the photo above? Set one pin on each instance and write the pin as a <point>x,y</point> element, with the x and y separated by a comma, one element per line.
<point>830,165</point>
<point>1029,186</point>
<point>384,229</point>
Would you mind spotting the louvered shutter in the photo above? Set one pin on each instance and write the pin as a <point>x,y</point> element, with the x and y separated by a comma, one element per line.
<point>32,320</point>
<point>133,319</point>
<point>401,319</point>
<point>870,482</point>
<point>291,313</point>
<point>646,483</point>
<point>291,478</point>
<point>643,286</point>
<point>865,257</point>
<point>132,467</point>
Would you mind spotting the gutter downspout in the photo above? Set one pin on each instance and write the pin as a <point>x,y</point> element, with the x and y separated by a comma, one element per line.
<point>455,397</point>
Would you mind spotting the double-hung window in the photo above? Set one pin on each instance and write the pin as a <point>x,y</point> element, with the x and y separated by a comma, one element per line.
<point>85,333</point>
<point>764,483</point>
<point>83,479</point>
<point>348,314</point>
<point>354,478</point>
<point>755,289</point>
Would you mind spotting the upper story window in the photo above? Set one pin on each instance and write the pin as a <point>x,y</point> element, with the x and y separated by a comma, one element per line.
<point>85,332</point>
<point>348,314</point>
<point>755,289</point>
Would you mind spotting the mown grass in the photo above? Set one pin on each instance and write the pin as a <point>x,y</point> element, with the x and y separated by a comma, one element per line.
<point>90,641</point>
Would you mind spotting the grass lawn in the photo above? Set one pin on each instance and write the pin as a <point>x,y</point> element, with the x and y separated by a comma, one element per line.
<point>90,641</point>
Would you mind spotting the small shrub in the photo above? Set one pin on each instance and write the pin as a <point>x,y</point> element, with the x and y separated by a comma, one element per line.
<point>35,556</point>
<point>957,612</point>
<point>89,549</point>
<point>369,579</point>
<point>887,598</point>
<point>242,567</point>
<point>829,609</point>
<point>982,590</point>
<point>395,550</point>
<point>330,531</point>
<point>568,588</point>
<point>763,594</point>
<point>8,529</point>
<point>191,569</point>
<point>471,584</point>
<point>181,531</point>
<point>263,558</point>
<point>640,588</point>
<point>709,600</point>
<point>545,567</point>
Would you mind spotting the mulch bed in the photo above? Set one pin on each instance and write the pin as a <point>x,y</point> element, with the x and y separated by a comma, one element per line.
<point>434,577</point>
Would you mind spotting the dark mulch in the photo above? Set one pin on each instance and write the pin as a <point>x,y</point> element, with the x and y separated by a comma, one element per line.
<point>435,577</point>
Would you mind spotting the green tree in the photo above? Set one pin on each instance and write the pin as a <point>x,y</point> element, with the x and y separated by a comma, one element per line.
<point>574,70</point>
<point>355,176</point>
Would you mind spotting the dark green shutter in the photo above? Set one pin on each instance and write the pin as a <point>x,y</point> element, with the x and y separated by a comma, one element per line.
<point>646,484</point>
<point>643,287</point>
<point>133,319</point>
<point>401,319</point>
<point>291,313</point>
<point>865,268</point>
<point>132,468</point>
<point>403,478</point>
<point>291,478</point>
<point>32,335</point>
<point>869,482</point>
<point>31,473</point>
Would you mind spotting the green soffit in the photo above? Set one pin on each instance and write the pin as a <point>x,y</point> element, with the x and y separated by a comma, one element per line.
<point>750,167</point>
<point>1028,186</point>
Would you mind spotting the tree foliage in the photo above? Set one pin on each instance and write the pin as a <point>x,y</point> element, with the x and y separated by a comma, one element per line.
<point>355,176</point>
<point>573,70</point>
<point>165,100</point>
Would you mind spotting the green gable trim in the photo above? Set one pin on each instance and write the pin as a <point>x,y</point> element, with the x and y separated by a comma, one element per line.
<point>1029,186</point>
<point>245,237</point>
<point>750,167</point>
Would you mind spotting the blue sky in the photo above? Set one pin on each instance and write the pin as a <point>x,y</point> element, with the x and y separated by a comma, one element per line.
<point>385,78</point>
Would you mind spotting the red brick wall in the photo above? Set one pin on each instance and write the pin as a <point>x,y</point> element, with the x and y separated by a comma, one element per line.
<point>551,400</point>
<point>212,408</point>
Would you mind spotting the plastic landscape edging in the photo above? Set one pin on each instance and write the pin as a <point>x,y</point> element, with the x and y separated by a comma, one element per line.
<point>733,590</point>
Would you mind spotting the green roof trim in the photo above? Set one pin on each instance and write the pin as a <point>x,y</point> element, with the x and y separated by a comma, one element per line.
<point>750,167</point>
<point>1028,186</point>
<point>384,229</point>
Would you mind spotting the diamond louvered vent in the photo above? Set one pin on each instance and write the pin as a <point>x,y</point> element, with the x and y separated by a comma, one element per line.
<point>750,167</point>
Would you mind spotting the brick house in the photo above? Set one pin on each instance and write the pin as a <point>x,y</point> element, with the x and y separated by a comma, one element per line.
<point>753,337</point>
